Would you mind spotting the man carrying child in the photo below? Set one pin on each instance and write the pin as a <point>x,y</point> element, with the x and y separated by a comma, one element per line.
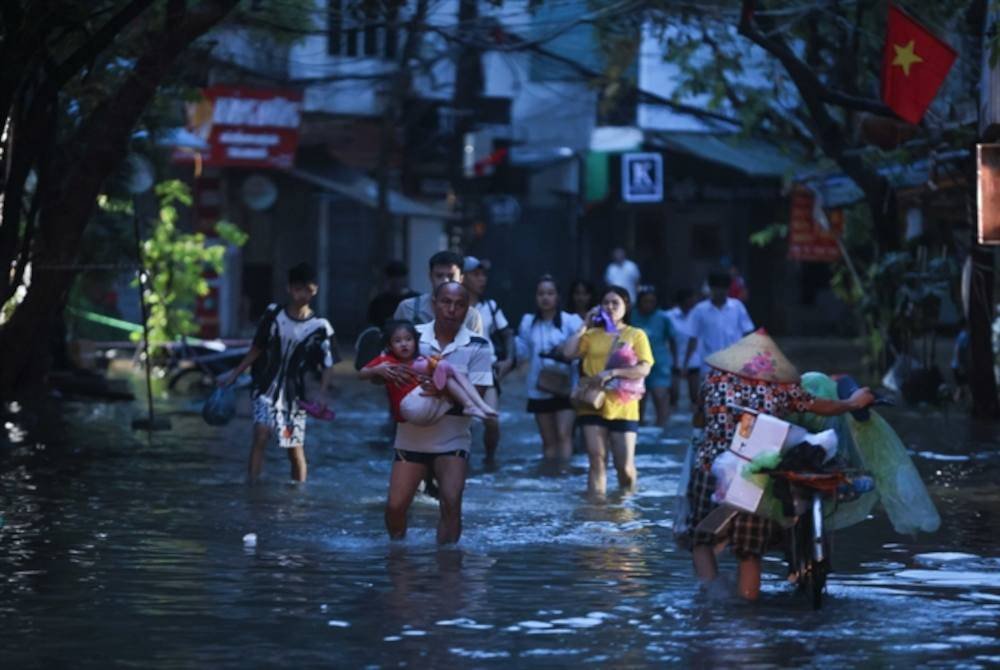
<point>440,448</point>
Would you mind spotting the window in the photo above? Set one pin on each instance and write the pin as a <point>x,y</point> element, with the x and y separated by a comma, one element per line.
<point>334,28</point>
<point>366,28</point>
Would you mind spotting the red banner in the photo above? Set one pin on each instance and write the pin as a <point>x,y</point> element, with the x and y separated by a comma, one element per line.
<point>807,239</point>
<point>246,127</point>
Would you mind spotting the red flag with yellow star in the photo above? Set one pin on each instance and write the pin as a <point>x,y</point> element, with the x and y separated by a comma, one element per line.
<point>914,65</point>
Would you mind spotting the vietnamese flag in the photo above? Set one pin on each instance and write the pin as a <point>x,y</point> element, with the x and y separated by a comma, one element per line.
<point>914,65</point>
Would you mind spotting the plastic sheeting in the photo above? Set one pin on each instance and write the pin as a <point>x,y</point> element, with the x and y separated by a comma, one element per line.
<point>875,447</point>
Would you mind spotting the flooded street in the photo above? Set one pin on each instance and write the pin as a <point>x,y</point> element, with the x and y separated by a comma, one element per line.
<point>115,551</point>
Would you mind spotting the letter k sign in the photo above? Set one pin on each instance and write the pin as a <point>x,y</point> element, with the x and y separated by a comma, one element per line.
<point>642,177</point>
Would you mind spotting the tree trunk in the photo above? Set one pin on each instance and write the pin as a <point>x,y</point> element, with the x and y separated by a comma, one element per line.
<point>69,188</point>
<point>398,91</point>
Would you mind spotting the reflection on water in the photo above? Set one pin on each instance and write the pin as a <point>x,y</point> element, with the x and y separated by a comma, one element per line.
<point>113,547</point>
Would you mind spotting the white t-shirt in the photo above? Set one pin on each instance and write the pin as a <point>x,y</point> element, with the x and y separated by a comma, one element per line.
<point>469,354</point>
<point>535,337</point>
<point>625,275</point>
<point>289,349</point>
<point>718,327</point>
<point>682,333</point>
<point>493,319</point>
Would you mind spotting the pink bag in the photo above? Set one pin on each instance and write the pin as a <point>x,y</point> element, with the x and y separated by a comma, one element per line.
<point>625,390</point>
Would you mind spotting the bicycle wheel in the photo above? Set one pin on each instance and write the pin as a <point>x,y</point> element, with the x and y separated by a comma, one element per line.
<point>192,380</point>
<point>810,574</point>
<point>813,581</point>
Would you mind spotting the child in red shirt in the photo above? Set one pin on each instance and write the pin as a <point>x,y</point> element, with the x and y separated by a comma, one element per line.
<point>408,401</point>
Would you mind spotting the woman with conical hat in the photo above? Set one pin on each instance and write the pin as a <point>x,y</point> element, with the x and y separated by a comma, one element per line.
<point>751,373</point>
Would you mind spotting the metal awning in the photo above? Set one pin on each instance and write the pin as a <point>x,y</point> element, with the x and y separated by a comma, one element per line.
<point>755,158</point>
<point>838,190</point>
<point>356,186</point>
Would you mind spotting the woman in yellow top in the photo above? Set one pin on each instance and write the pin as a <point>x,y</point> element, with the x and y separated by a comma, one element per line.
<point>614,427</point>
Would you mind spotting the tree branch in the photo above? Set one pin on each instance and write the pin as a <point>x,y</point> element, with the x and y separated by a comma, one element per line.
<point>101,141</point>
<point>829,133</point>
<point>804,77</point>
<point>98,43</point>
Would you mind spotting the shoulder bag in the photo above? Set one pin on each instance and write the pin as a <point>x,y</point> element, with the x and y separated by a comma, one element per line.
<point>553,378</point>
<point>590,392</point>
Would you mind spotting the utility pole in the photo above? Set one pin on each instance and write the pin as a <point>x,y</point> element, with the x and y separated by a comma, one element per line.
<point>467,91</point>
<point>397,90</point>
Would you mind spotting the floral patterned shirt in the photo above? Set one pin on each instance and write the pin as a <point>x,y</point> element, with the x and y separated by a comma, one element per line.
<point>722,388</point>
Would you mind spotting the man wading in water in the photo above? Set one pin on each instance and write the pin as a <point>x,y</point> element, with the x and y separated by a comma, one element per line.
<point>442,448</point>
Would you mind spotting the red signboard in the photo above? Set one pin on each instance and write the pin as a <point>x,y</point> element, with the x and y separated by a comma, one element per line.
<point>246,127</point>
<point>988,169</point>
<point>807,239</point>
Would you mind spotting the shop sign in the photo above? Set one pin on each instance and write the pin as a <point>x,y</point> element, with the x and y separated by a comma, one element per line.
<point>642,177</point>
<point>246,127</point>
<point>808,240</point>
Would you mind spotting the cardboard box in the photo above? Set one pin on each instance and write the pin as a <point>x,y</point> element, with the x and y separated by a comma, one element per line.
<point>755,436</point>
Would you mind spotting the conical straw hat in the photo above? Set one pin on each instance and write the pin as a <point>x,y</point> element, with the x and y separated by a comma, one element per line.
<point>756,356</point>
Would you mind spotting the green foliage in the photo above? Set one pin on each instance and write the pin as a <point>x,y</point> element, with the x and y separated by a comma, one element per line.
<point>898,296</point>
<point>771,233</point>
<point>175,261</point>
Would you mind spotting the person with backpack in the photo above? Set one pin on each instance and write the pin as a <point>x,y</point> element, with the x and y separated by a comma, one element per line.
<point>498,331</point>
<point>444,267</point>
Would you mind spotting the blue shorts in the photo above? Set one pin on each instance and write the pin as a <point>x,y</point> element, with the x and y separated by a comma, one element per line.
<point>612,425</point>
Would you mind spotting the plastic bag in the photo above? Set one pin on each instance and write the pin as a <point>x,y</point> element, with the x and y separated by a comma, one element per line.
<point>726,467</point>
<point>897,481</point>
<point>220,407</point>
<point>682,507</point>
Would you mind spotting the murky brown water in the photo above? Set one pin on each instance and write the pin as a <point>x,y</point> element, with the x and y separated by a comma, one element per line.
<point>117,552</point>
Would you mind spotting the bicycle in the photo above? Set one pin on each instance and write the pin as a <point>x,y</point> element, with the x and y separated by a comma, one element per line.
<point>809,546</point>
<point>194,367</point>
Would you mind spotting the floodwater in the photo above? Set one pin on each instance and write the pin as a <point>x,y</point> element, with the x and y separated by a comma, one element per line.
<point>119,552</point>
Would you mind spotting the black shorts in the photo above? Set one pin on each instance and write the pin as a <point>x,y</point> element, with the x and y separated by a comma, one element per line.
<point>426,459</point>
<point>690,372</point>
<point>613,425</point>
<point>548,405</point>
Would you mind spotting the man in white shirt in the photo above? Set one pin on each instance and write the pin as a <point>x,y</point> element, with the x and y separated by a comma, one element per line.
<point>716,323</point>
<point>444,266</point>
<point>442,448</point>
<point>497,329</point>
<point>680,317</point>
<point>622,272</point>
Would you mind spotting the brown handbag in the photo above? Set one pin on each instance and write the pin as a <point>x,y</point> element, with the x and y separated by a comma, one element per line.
<point>554,381</point>
<point>589,394</point>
